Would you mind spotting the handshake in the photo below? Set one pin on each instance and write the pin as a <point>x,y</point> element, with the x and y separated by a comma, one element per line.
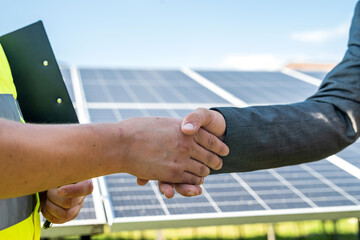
<point>178,153</point>
<point>182,152</point>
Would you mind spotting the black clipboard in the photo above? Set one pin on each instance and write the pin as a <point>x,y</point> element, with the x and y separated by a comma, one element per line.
<point>37,76</point>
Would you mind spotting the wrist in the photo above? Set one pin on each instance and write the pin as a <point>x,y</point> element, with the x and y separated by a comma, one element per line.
<point>113,149</point>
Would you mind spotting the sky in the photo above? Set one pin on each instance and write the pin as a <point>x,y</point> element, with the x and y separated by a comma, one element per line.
<point>201,34</point>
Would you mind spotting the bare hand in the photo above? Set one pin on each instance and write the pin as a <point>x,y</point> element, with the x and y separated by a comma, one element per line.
<point>208,127</point>
<point>160,151</point>
<point>60,205</point>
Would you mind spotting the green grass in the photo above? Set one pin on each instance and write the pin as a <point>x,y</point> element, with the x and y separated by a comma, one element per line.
<point>314,230</point>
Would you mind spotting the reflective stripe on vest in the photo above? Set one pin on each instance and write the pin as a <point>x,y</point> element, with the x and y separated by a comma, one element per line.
<point>19,218</point>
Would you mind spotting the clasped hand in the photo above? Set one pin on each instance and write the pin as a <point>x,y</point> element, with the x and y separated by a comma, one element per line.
<point>207,128</point>
<point>156,149</point>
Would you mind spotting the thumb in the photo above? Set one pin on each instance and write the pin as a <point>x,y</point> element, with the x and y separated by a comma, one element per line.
<point>195,120</point>
<point>74,190</point>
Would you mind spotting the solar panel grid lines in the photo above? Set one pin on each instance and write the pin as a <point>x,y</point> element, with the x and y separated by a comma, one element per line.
<point>158,196</point>
<point>294,189</point>
<point>210,199</point>
<point>331,184</point>
<point>168,87</point>
<point>157,96</point>
<point>303,77</point>
<point>261,87</point>
<point>214,88</point>
<point>130,91</point>
<point>348,167</point>
<point>108,95</point>
<point>250,190</point>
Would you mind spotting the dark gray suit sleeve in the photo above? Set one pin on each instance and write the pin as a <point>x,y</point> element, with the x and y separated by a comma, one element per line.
<point>272,136</point>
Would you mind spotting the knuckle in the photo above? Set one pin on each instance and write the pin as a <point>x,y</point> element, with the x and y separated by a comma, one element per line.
<point>184,147</point>
<point>204,171</point>
<point>67,203</point>
<point>197,135</point>
<point>173,172</point>
<point>209,159</point>
<point>219,164</point>
<point>194,179</point>
<point>193,148</point>
<point>66,215</point>
<point>211,142</point>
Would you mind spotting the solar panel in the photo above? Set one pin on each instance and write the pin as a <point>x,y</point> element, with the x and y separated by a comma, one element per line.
<point>308,191</point>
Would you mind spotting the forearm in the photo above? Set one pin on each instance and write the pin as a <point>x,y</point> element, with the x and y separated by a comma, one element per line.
<point>273,136</point>
<point>38,157</point>
<point>34,158</point>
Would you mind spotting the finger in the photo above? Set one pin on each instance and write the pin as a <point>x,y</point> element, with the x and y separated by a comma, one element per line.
<point>79,189</point>
<point>48,216</point>
<point>141,181</point>
<point>64,202</point>
<point>166,189</point>
<point>59,214</point>
<point>193,121</point>
<point>191,178</point>
<point>197,168</point>
<point>188,190</point>
<point>206,157</point>
<point>211,142</point>
<point>43,197</point>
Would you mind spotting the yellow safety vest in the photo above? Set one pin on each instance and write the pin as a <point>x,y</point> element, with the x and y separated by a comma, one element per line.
<point>19,217</point>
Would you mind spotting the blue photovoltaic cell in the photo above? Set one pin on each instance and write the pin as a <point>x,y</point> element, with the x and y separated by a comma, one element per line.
<point>261,87</point>
<point>109,115</point>
<point>115,85</point>
<point>315,74</point>
<point>190,209</point>
<point>88,209</point>
<point>102,115</point>
<point>352,154</point>
<point>141,199</point>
